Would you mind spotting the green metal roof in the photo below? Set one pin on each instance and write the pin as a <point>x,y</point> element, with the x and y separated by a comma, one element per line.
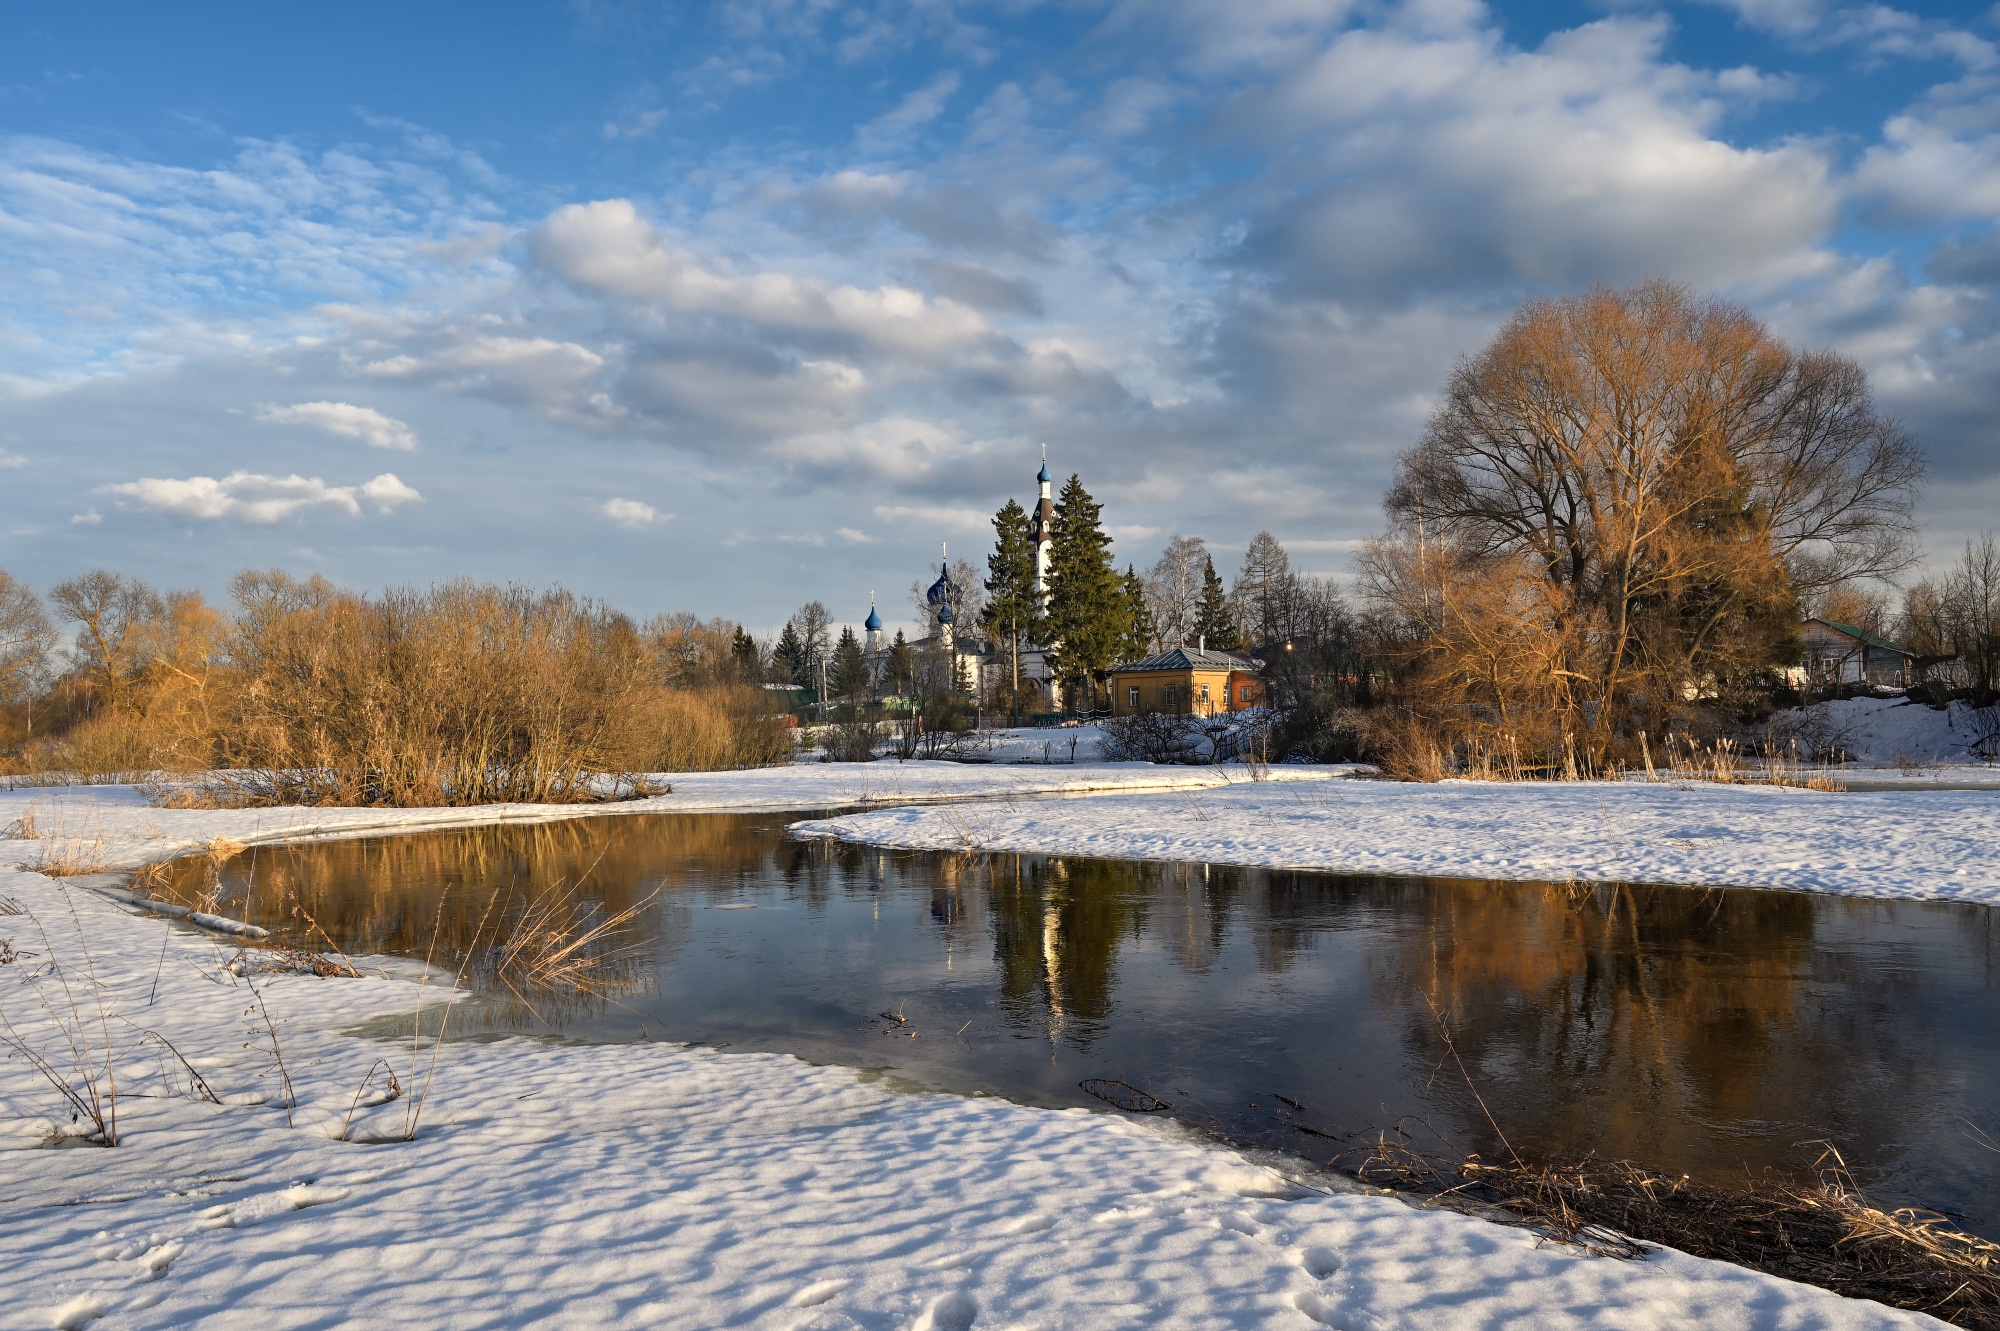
<point>1185,658</point>
<point>1863,635</point>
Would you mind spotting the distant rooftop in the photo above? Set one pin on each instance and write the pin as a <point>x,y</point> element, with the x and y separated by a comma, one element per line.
<point>1863,635</point>
<point>1186,658</point>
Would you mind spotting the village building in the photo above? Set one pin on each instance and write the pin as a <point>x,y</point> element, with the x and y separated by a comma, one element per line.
<point>1188,680</point>
<point>1838,653</point>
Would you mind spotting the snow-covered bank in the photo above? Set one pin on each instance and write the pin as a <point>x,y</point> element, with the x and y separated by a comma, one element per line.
<point>1896,734</point>
<point>660,1186</point>
<point>1905,844</point>
<point>116,825</point>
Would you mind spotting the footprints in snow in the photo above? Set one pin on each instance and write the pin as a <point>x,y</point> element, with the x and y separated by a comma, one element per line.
<point>955,1311</point>
<point>817,1293</point>
<point>251,1210</point>
<point>146,1260</point>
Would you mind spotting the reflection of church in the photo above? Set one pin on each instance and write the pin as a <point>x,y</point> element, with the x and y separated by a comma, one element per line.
<point>988,664</point>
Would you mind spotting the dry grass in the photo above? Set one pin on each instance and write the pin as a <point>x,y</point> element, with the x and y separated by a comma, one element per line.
<point>563,943</point>
<point>1825,1234</point>
<point>209,791</point>
<point>21,829</point>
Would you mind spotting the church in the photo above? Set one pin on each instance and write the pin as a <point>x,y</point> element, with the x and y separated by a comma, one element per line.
<point>988,665</point>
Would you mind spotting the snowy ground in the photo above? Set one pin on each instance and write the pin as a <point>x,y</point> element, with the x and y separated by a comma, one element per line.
<point>661,1186</point>
<point>114,825</point>
<point>1907,738</point>
<point>1907,844</point>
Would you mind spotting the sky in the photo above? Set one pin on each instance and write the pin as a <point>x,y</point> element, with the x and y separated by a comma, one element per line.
<point>728,307</point>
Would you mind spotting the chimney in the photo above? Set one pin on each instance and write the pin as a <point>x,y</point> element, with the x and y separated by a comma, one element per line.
<point>1201,644</point>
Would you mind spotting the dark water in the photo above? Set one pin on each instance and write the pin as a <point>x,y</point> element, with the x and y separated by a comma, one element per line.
<point>1711,1031</point>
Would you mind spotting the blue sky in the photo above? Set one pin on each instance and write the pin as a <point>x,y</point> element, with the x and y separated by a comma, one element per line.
<point>724,308</point>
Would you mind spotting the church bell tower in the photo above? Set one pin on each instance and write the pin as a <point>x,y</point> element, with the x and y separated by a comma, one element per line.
<point>1042,528</point>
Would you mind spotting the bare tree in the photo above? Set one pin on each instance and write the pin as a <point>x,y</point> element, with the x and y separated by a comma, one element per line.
<point>1669,472</point>
<point>693,652</point>
<point>109,610</point>
<point>1955,619</point>
<point>1263,592</point>
<point>26,638</point>
<point>813,625</point>
<point>1173,589</point>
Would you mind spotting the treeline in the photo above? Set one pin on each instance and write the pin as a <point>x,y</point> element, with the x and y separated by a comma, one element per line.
<point>462,693</point>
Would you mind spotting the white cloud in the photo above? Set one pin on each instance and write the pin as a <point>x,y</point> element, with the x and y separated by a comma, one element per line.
<point>87,518</point>
<point>344,419</point>
<point>254,498</point>
<point>607,247</point>
<point>10,461</point>
<point>935,515</point>
<point>1436,157</point>
<point>919,107</point>
<point>387,491</point>
<point>633,513</point>
<point>853,537</point>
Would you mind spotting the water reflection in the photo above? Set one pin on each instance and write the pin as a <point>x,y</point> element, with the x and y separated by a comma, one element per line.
<point>1706,1030</point>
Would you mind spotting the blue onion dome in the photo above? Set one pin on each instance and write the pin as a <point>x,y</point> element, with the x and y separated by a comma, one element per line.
<point>941,590</point>
<point>874,621</point>
<point>1045,478</point>
<point>944,613</point>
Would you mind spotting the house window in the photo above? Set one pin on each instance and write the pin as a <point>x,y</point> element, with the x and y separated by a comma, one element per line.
<point>1243,695</point>
<point>1132,697</point>
<point>1169,695</point>
<point>1204,693</point>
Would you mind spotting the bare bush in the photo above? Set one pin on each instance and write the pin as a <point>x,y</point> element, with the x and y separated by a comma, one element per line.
<point>1149,737</point>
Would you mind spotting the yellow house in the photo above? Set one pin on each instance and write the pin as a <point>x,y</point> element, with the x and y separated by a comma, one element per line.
<point>1185,679</point>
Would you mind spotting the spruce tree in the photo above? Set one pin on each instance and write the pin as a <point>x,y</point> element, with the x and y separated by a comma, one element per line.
<point>847,673</point>
<point>1087,618</point>
<point>1140,631</point>
<point>1213,626</point>
<point>902,665</point>
<point>743,650</point>
<point>791,654</point>
<point>1011,606</point>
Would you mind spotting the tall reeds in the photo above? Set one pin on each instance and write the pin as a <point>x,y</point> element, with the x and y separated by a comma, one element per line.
<point>458,694</point>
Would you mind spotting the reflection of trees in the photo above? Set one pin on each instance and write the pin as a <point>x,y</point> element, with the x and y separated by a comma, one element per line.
<point>1056,927</point>
<point>387,894</point>
<point>1625,1020</point>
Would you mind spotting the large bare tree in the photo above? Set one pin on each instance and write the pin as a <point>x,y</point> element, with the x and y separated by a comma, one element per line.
<point>1667,473</point>
<point>110,611</point>
<point>26,637</point>
<point>1173,589</point>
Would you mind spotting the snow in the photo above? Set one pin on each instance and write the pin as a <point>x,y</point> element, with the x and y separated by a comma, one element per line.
<point>1919,845</point>
<point>116,825</point>
<point>1895,733</point>
<point>659,1185</point>
<point>663,1186</point>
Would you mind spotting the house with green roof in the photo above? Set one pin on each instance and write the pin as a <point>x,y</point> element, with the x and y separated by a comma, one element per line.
<point>1838,653</point>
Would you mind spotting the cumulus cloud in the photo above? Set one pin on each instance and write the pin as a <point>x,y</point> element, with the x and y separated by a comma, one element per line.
<point>343,418</point>
<point>11,461</point>
<point>1442,159</point>
<point>250,497</point>
<point>87,518</point>
<point>607,247</point>
<point>632,513</point>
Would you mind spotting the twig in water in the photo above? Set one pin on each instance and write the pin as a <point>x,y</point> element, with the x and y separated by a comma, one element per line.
<point>1444,1029</point>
